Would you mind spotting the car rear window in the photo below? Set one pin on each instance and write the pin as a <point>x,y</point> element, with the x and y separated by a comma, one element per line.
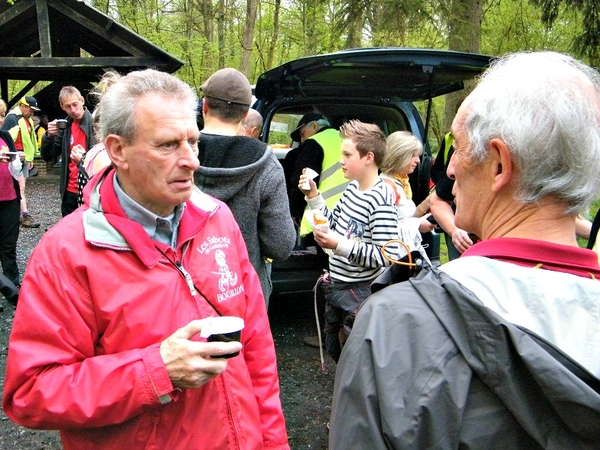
<point>284,121</point>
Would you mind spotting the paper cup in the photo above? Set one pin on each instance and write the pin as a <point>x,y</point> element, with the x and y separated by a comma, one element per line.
<point>310,174</point>
<point>223,329</point>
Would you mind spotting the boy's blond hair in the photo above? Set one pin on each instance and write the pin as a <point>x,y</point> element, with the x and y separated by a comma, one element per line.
<point>367,137</point>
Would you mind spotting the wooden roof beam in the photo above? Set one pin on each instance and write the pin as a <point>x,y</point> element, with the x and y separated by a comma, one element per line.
<point>43,23</point>
<point>15,11</point>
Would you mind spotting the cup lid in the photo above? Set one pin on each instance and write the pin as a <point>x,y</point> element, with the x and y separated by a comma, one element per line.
<point>221,325</point>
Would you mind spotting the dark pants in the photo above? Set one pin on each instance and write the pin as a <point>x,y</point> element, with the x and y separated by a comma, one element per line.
<point>342,301</point>
<point>10,213</point>
<point>69,203</point>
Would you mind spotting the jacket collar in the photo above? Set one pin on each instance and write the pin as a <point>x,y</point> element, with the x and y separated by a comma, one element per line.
<point>106,225</point>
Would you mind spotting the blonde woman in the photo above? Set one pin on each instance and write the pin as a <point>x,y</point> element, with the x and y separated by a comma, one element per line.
<point>402,155</point>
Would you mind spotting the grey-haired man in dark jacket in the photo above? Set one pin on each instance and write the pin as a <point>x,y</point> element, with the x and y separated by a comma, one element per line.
<point>500,348</point>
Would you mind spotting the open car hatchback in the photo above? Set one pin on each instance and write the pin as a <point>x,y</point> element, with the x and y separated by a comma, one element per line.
<point>374,85</point>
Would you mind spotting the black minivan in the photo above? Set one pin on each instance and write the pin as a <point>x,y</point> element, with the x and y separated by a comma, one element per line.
<point>374,85</point>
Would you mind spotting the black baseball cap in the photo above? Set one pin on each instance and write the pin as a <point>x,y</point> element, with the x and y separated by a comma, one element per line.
<point>306,119</point>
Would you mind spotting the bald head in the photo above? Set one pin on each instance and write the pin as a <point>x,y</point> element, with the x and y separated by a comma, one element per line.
<point>251,125</point>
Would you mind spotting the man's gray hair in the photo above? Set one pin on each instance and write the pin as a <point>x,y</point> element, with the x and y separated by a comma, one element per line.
<point>546,107</point>
<point>118,105</point>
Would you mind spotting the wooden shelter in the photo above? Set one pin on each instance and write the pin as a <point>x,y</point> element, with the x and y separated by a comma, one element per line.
<point>67,42</point>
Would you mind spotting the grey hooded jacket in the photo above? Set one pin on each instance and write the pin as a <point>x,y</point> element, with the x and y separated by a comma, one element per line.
<point>428,366</point>
<point>245,174</point>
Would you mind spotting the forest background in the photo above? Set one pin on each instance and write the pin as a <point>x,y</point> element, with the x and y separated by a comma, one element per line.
<point>257,35</point>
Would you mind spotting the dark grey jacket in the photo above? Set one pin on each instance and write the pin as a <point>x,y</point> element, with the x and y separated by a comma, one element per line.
<point>245,174</point>
<point>427,366</point>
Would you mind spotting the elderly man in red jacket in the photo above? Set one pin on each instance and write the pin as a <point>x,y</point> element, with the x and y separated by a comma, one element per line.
<point>106,343</point>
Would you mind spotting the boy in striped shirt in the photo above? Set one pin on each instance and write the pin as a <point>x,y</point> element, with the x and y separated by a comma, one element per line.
<point>361,223</point>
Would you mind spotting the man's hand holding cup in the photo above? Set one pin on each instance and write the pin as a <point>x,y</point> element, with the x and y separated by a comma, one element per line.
<point>55,126</point>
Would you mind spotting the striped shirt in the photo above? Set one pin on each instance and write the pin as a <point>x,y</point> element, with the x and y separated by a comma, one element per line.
<point>365,221</point>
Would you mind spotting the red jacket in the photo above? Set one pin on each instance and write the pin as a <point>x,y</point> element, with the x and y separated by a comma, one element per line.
<point>97,299</point>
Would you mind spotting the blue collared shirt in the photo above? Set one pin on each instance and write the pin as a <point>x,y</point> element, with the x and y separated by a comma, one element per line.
<point>161,229</point>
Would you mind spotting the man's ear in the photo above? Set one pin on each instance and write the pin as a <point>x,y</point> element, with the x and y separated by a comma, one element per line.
<point>370,158</point>
<point>115,146</point>
<point>204,107</point>
<point>502,165</point>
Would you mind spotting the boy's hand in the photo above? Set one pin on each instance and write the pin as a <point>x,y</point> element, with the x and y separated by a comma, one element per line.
<point>326,239</point>
<point>310,193</point>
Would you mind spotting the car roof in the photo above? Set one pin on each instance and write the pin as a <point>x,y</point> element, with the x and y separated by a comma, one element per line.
<point>409,74</point>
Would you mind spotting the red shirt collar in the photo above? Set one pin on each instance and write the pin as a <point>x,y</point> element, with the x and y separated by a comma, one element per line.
<point>541,254</point>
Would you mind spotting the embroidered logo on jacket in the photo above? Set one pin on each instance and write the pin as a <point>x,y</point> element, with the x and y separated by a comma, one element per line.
<point>228,279</point>
<point>212,243</point>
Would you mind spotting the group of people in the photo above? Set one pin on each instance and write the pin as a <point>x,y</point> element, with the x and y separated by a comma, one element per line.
<point>18,148</point>
<point>499,348</point>
<point>32,136</point>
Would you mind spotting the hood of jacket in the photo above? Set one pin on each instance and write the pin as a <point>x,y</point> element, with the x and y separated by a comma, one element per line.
<point>527,379</point>
<point>228,163</point>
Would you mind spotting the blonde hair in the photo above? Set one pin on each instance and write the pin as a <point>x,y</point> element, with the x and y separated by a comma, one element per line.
<point>108,79</point>
<point>400,148</point>
<point>367,137</point>
<point>2,107</point>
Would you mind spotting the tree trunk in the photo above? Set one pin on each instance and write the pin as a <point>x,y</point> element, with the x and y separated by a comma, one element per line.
<point>464,36</point>
<point>274,36</point>
<point>251,7</point>
<point>205,7</point>
<point>355,25</point>
<point>220,16</point>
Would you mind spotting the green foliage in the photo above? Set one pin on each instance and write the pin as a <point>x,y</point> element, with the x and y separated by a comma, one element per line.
<point>586,40</point>
<point>188,29</point>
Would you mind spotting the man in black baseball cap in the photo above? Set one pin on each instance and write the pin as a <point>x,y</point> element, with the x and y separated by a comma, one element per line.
<point>319,150</point>
<point>19,124</point>
<point>307,119</point>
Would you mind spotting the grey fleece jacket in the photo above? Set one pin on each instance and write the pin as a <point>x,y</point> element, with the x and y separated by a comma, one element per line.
<point>245,174</point>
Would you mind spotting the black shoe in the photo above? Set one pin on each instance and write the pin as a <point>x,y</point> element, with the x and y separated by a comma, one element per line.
<point>9,290</point>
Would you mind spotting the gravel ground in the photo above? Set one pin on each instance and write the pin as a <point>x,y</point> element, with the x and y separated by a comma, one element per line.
<point>305,389</point>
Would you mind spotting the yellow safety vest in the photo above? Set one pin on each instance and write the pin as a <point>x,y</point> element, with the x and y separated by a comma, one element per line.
<point>448,140</point>
<point>332,182</point>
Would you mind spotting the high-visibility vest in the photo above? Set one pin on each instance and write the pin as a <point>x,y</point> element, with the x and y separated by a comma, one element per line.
<point>332,182</point>
<point>448,140</point>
